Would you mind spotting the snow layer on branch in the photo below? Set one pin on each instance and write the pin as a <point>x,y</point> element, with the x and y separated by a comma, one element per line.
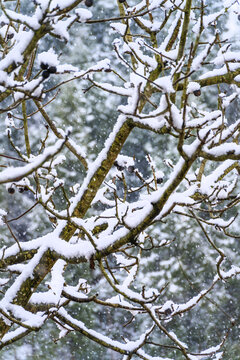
<point>208,182</point>
<point>119,299</point>
<point>61,28</point>
<point>192,86</point>
<point>222,71</point>
<point>125,161</point>
<point>150,61</point>
<point>137,7</point>
<point>28,271</point>
<point>95,165</point>
<point>228,3</point>
<point>176,116</point>
<point>176,338</point>
<point>211,116</point>
<point>48,57</point>
<point>23,39</point>
<point>165,42</point>
<point>30,21</point>
<point>207,20</point>
<point>83,14</point>
<point>47,297</point>
<point>60,4</point>
<point>148,357</point>
<point>224,149</point>
<point>119,28</point>
<point>57,280</point>
<point>129,346</point>
<point>33,87</point>
<point>227,56</point>
<point>183,198</point>
<point>27,317</point>
<point>198,60</point>
<point>13,334</point>
<point>164,4</point>
<point>165,83</point>
<point>17,173</point>
<point>76,147</point>
<point>2,214</point>
<point>151,26</point>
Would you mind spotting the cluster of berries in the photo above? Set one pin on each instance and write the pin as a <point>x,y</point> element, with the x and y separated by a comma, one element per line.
<point>47,70</point>
<point>130,168</point>
<point>21,189</point>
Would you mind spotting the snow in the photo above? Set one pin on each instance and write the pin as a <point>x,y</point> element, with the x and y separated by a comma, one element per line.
<point>59,4</point>
<point>17,173</point>
<point>83,14</point>
<point>176,338</point>
<point>192,86</point>
<point>57,282</point>
<point>165,83</point>
<point>210,116</point>
<point>3,213</point>
<point>48,57</point>
<point>199,59</point>
<point>130,346</point>
<point>206,133</point>
<point>30,21</point>
<point>119,28</point>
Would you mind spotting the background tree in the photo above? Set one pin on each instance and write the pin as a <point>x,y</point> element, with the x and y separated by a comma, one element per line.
<point>135,225</point>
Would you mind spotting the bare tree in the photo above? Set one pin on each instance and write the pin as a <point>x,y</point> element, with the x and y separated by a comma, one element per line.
<point>169,54</point>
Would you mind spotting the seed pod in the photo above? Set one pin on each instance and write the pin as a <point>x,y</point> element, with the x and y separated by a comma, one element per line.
<point>44,66</point>
<point>197,92</point>
<point>45,74</point>
<point>11,190</point>
<point>52,69</point>
<point>89,3</point>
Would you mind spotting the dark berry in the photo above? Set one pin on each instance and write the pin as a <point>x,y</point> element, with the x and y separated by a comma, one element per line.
<point>119,167</point>
<point>45,74</point>
<point>159,180</point>
<point>197,92</point>
<point>44,66</point>
<point>121,1</point>
<point>10,36</point>
<point>131,168</point>
<point>239,17</point>
<point>89,3</point>
<point>52,69</point>
<point>108,70</point>
<point>25,188</point>
<point>11,190</point>
<point>21,190</point>
<point>168,312</point>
